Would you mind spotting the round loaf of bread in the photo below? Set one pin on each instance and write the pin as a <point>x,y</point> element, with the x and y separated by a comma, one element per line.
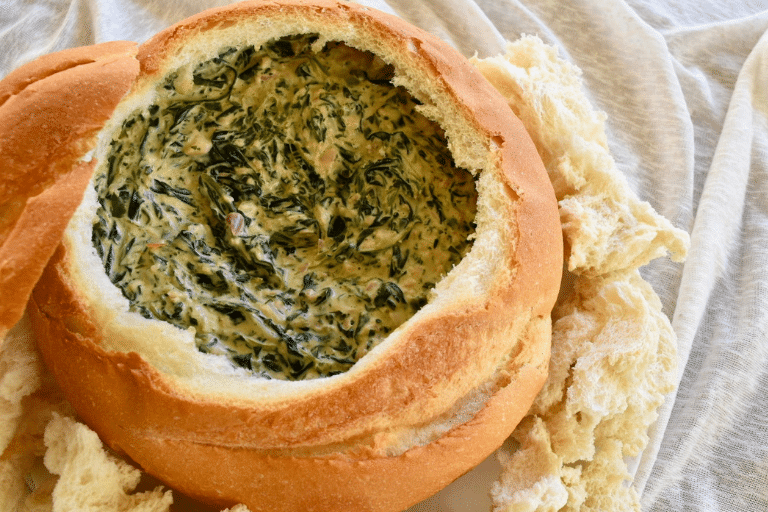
<point>315,267</point>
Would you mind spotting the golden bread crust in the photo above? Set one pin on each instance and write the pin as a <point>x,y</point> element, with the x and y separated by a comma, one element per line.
<point>351,478</point>
<point>50,111</point>
<point>471,362</point>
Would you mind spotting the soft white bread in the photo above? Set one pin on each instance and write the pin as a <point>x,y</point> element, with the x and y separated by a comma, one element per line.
<point>606,227</point>
<point>431,401</point>
<point>613,348</point>
<point>613,361</point>
<point>50,112</point>
<point>49,461</point>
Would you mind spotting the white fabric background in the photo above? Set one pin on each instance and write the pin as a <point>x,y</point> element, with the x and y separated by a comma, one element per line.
<point>685,87</point>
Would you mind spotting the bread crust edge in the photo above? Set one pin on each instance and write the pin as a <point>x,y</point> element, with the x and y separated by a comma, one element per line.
<point>49,116</point>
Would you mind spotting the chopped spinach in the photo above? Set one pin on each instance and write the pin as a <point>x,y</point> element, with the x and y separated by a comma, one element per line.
<point>292,206</point>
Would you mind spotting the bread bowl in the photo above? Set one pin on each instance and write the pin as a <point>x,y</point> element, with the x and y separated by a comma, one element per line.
<point>420,402</point>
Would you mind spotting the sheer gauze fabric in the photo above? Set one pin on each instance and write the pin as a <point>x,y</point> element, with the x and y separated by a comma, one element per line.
<point>685,89</point>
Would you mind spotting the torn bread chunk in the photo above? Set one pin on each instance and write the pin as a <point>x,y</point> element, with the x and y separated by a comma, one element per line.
<point>613,350</point>
<point>606,227</point>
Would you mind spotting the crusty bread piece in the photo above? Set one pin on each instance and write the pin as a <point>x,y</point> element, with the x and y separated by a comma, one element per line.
<point>533,477</point>
<point>75,454</point>
<point>605,226</point>
<point>48,461</point>
<point>613,350</point>
<point>613,362</point>
<point>20,375</point>
<point>50,112</point>
<point>28,397</point>
<point>431,401</point>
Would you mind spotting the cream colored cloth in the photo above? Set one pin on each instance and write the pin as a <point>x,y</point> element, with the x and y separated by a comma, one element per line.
<point>683,85</point>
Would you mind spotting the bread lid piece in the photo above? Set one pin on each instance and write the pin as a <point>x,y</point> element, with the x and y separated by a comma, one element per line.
<point>449,383</point>
<point>50,112</point>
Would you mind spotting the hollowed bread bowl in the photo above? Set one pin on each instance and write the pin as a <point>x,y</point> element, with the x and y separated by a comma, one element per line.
<point>420,407</point>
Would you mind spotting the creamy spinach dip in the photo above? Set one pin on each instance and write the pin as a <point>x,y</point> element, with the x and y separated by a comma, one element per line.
<point>290,205</point>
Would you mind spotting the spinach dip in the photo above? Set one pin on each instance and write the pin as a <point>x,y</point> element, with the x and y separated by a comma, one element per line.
<point>287,202</point>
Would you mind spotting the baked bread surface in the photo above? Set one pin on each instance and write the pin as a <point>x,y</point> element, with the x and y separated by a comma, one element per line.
<point>48,119</point>
<point>421,408</point>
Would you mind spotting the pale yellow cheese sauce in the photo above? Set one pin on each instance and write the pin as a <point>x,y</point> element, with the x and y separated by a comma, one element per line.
<point>291,206</point>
